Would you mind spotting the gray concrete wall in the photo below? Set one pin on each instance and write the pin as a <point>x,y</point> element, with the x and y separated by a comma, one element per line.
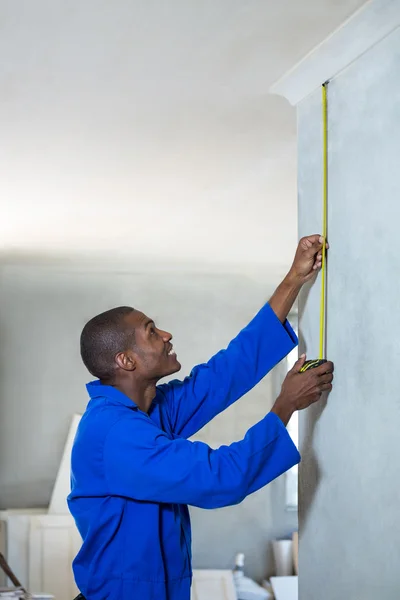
<point>349,479</point>
<point>43,310</point>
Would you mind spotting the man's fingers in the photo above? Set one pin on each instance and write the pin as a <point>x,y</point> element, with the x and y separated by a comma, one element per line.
<point>327,367</point>
<point>311,245</point>
<point>299,363</point>
<point>327,378</point>
<point>309,240</point>
<point>314,240</point>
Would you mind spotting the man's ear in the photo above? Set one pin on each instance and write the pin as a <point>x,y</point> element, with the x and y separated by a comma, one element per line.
<point>126,361</point>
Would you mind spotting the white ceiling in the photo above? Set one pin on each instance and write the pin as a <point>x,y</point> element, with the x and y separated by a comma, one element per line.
<point>144,128</point>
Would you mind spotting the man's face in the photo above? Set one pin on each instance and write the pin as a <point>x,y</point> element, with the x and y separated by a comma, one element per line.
<point>153,353</point>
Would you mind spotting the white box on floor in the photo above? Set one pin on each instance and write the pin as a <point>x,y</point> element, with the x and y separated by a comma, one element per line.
<point>211,584</point>
<point>285,588</point>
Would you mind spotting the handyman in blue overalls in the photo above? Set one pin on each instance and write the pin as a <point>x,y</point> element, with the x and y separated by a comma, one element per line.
<point>134,471</point>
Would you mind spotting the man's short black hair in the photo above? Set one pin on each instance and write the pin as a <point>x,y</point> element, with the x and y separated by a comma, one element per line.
<point>101,340</point>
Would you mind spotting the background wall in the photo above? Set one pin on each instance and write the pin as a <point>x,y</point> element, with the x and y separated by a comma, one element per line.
<point>349,477</point>
<point>145,127</point>
<point>42,382</point>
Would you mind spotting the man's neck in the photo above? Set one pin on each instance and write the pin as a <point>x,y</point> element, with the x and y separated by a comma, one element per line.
<point>142,393</point>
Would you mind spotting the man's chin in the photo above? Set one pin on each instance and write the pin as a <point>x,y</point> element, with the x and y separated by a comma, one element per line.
<point>175,368</point>
<point>172,368</point>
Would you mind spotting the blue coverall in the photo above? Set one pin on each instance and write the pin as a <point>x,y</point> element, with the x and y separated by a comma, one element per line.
<point>133,474</point>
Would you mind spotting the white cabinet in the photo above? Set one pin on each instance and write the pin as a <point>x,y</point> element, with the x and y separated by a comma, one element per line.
<point>211,584</point>
<point>53,544</point>
<point>3,549</point>
<point>16,530</point>
<point>40,549</point>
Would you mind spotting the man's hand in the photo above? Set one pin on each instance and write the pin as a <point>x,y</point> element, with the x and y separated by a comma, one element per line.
<point>300,390</point>
<point>308,258</point>
<point>307,262</point>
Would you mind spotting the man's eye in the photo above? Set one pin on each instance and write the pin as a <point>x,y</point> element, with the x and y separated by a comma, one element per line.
<point>152,331</point>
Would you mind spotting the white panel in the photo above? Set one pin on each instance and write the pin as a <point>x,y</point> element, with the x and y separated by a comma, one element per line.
<point>285,588</point>
<point>54,543</point>
<point>213,585</point>
<point>62,486</point>
<point>17,540</point>
<point>295,539</point>
<point>3,550</point>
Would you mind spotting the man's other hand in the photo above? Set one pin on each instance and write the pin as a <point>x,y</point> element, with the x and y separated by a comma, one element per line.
<point>308,258</point>
<point>300,390</point>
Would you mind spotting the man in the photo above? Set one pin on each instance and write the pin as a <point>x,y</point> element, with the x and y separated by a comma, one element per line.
<point>133,469</point>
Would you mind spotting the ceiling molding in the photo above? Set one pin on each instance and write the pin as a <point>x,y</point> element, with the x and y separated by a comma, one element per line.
<point>368,26</point>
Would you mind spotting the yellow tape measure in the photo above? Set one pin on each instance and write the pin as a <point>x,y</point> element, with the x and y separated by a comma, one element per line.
<point>311,364</point>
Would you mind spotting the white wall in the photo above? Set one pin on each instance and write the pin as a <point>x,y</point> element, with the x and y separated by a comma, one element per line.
<point>349,476</point>
<point>42,382</point>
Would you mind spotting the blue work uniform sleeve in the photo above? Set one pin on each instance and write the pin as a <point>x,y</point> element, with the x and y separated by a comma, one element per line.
<point>230,374</point>
<point>142,463</point>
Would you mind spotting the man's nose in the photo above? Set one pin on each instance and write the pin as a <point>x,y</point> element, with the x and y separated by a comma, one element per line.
<point>166,336</point>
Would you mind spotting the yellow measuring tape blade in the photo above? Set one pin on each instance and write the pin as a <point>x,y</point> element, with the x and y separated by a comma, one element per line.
<point>322,317</point>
